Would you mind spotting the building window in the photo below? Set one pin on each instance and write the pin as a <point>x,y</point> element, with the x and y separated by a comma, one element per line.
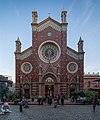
<point>72,67</point>
<point>49,33</point>
<point>49,79</point>
<point>89,83</point>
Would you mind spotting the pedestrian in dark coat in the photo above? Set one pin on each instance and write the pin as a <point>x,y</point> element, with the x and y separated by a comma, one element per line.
<point>62,100</point>
<point>55,102</point>
<point>94,102</point>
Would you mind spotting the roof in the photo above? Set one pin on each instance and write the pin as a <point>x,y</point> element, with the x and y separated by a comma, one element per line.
<point>49,19</point>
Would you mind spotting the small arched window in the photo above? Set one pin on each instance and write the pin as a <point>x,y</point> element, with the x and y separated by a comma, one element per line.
<point>49,79</point>
<point>89,83</point>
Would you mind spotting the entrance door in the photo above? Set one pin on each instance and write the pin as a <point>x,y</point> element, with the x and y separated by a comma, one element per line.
<point>27,93</point>
<point>49,90</point>
<point>72,92</point>
<point>72,89</point>
<point>26,90</point>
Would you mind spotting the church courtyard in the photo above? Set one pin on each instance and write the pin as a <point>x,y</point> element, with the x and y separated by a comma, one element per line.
<point>46,112</point>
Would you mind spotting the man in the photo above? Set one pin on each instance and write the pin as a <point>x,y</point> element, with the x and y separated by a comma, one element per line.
<point>94,102</point>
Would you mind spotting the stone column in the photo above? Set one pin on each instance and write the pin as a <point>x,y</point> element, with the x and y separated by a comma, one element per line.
<point>43,90</point>
<point>58,88</point>
<point>68,88</point>
<point>40,90</point>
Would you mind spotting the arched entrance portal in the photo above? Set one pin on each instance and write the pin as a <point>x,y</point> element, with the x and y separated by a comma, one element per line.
<point>26,90</point>
<point>72,89</point>
<point>49,86</point>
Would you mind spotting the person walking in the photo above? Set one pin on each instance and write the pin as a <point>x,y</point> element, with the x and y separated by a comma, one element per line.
<point>58,98</point>
<point>94,102</point>
<point>20,106</point>
<point>55,102</point>
<point>62,100</point>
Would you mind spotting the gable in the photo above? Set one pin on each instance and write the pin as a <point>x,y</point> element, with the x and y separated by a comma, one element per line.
<point>49,22</point>
<point>25,54</point>
<point>72,53</point>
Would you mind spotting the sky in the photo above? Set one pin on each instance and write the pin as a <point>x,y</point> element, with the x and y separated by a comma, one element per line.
<point>83,17</point>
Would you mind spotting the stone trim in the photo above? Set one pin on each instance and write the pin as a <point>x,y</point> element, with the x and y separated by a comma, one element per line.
<point>26,54</point>
<point>71,54</point>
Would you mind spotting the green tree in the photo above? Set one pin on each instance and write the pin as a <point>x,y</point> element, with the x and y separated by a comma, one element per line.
<point>89,96</point>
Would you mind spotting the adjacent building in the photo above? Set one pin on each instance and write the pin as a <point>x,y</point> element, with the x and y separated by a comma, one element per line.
<point>49,66</point>
<point>92,81</point>
<point>5,81</point>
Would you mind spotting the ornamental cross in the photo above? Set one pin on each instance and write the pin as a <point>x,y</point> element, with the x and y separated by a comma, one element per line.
<point>48,14</point>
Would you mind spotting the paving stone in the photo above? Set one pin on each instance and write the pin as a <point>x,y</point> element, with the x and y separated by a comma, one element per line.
<point>46,112</point>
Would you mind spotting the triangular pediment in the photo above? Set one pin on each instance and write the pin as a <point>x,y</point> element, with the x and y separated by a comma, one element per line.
<point>49,22</point>
<point>49,19</point>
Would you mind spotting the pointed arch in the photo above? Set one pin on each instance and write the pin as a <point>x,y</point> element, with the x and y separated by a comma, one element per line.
<point>26,80</point>
<point>72,80</point>
<point>49,74</point>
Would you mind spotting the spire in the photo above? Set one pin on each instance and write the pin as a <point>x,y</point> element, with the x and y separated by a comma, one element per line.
<point>80,45</point>
<point>80,39</point>
<point>18,39</point>
<point>18,45</point>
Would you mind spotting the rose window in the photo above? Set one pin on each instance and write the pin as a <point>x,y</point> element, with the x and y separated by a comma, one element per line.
<point>72,67</point>
<point>26,67</point>
<point>49,52</point>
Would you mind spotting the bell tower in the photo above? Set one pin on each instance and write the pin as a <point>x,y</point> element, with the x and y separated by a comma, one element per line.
<point>64,25</point>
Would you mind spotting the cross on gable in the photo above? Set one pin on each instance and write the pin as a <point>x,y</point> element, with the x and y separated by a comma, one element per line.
<point>49,14</point>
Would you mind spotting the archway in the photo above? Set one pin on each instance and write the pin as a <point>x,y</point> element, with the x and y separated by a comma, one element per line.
<point>72,89</point>
<point>26,90</point>
<point>49,86</point>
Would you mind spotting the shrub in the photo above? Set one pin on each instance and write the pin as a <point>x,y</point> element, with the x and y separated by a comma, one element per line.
<point>16,101</point>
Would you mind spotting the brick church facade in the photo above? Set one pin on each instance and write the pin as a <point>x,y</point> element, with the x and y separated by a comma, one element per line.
<point>49,66</point>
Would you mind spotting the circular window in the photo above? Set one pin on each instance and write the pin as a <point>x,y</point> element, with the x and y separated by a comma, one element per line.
<point>49,51</point>
<point>72,67</point>
<point>26,67</point>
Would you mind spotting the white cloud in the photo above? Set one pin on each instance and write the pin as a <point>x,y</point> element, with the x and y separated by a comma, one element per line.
<point>92,68</point>
<point>88,15</point>
<point>88,11</point>
<point>71,7</point>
